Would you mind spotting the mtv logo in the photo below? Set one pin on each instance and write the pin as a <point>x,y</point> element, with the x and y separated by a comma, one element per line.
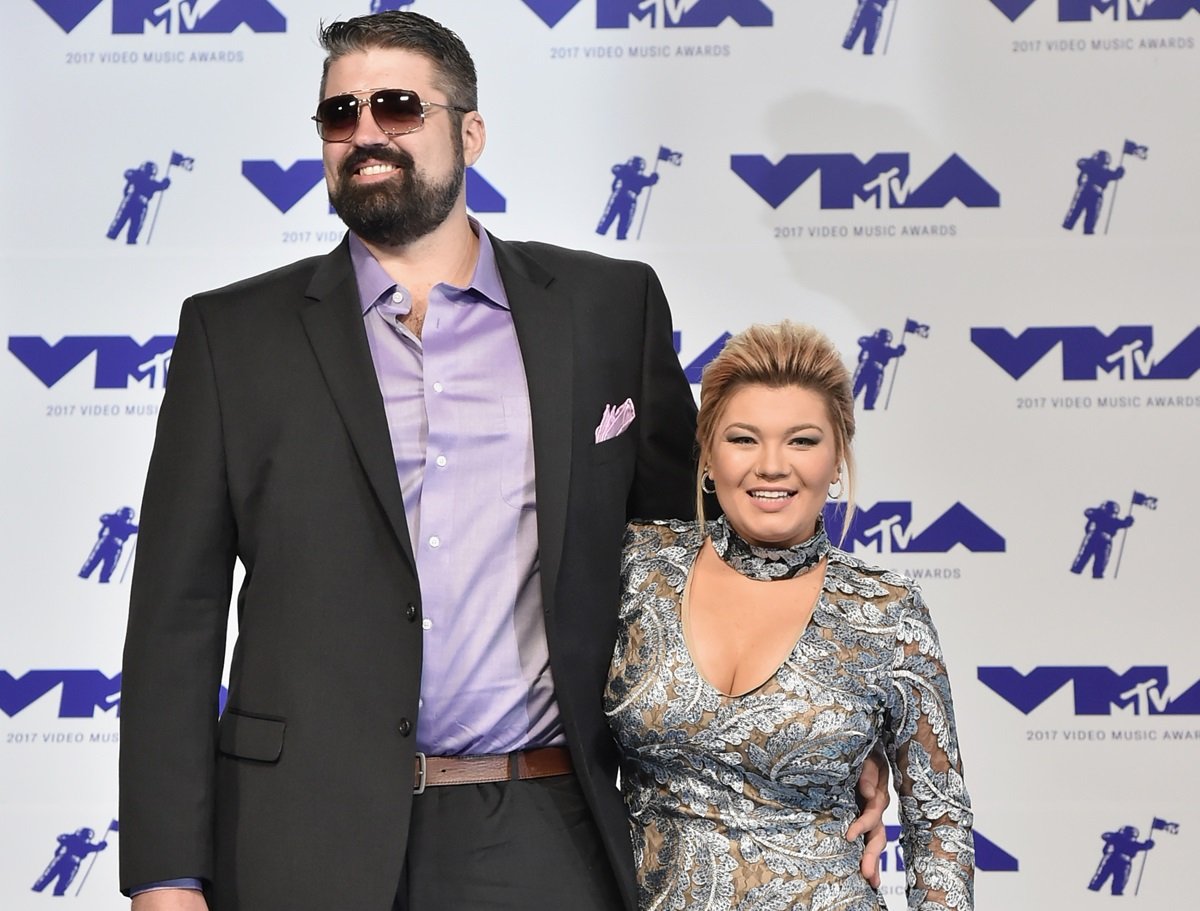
<point>1096,689</point>
<point>118,358</point>
<point>882,181</point>
<point>1086,10</point>
<point>886,527</point>
<point>130,17</point>
<point>1086,351</point>
<point>660,13</point>
<point>285,187</point>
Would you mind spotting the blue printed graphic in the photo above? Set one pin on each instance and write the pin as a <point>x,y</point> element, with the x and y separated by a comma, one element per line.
<point>115,529</point>
<point>660,13</point>
<point>140,187</point>
<point>1086,351</point>
<point>886,528</point>
<point>285,187</point>
<point>379,6</point>
<point>1093,179</point>
<point>80,692</point>
<point>629,180</point>
<point>72,848</point>
<point>173,17</point>
<point>1120,849</point>
<point>867,23</point>
<point>118,358</point>
<point>1120,10</point>
<point>83,691</point>
<point>1103,523</point>
<point>989,856</point>
<point>883,181</point>
<point>1144,689</point>
<point>874,353</point>
<point>695,367</point>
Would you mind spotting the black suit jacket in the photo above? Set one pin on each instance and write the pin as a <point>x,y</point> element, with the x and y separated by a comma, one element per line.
<point>273,448</point>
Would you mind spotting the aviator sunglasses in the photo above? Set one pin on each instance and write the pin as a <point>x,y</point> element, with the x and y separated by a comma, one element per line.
<point>396,112</point>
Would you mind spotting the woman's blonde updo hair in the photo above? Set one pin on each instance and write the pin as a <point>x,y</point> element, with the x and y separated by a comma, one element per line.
<point>776,356</point>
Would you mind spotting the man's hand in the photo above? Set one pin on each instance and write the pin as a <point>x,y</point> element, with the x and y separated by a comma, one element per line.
<point>873,799</point>
<point>169,900</point>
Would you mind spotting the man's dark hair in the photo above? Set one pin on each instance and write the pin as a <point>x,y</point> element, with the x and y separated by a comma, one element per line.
<point>409,31</point>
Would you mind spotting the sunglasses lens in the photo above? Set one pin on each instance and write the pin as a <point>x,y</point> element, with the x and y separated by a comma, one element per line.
<point>396,111</point>
<point>337,117</point>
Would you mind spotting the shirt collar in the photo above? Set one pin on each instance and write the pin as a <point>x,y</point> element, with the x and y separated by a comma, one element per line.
<point>374,283</point>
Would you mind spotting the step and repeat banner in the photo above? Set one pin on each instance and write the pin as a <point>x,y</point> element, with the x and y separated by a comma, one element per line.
<point>991,205</point>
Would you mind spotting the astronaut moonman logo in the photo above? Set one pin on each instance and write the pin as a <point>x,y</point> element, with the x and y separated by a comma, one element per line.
<point>141,186</point>
<point>1103,524</point>
<point>1094,178</point>
<point>68,857</point>
<point>1121,848</point>
<point>115,529</point>
<point>629,180</point>
<point>867,23</point>
<point>874,353</point>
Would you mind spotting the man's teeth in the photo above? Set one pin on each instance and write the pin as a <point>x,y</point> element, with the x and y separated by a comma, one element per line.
<point>376,169</point>
<point>770,494</point>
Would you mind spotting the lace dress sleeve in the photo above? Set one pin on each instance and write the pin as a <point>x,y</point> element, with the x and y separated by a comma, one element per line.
<point>922,746</point>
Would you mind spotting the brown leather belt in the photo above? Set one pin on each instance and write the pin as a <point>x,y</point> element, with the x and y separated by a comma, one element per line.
<point>435,771</point>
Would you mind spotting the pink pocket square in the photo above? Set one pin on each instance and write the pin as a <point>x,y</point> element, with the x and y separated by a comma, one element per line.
<point>615,421</point>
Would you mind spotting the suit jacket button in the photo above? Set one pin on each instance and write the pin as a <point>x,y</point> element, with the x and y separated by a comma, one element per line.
<point>404,727</point>
<point>410,613</point>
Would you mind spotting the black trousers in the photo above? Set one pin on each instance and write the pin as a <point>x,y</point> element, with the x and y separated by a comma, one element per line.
<point>509,846</point>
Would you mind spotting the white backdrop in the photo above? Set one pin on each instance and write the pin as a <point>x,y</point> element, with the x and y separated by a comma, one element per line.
<point>1076,696</point>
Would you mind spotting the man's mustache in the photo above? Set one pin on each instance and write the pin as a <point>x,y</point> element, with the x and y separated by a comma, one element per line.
<point>377,155</point>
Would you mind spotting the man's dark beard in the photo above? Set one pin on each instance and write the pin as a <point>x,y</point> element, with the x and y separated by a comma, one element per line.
<point>395,212</point>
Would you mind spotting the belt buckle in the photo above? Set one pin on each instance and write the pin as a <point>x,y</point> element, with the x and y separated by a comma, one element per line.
<point>419,788</point>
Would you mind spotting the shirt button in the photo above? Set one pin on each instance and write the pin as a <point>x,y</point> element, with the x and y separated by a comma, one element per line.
<point>441,461</point>
<point>426,623</point>
<point>435,541</point>
<point>437,387</point>
<point>410,613</point>
<point>397,297</point>
<point>404,727</point>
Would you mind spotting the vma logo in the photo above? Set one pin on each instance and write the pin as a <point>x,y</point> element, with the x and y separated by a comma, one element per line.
<point>285,187</point>
<point>1096,689</point>
<point>81,693</point>
<point>882,182</point>
<point>1086,10</point>
<point>118,358</point>
<point>886,528</point>
<point>1086,351</point>
<point>660,13</point>
<point>174,17</point>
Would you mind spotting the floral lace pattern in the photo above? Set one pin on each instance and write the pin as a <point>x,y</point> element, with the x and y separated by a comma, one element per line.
<point>742,802</point>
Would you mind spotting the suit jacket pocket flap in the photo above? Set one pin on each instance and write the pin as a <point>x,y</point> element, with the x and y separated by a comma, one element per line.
<point>251,736</point>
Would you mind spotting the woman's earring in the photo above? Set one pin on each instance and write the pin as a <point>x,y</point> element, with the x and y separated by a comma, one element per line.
<point>704,477</point>
<point>838,495</point>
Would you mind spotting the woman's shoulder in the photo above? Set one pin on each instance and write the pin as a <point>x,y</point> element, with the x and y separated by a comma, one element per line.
<point>852,575</point>
<point>656,534</point>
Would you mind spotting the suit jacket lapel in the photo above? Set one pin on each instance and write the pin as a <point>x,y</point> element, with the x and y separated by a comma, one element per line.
<point>545,335</point>
<point>333,320</point>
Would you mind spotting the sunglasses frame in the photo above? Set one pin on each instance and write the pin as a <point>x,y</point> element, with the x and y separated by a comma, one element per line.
<point>365,99</point>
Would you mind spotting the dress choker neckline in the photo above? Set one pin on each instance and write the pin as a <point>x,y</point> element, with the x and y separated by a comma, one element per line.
<point>768,564</point>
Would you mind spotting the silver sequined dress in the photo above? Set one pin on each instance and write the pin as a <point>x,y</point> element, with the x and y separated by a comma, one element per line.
<point>742,802</point>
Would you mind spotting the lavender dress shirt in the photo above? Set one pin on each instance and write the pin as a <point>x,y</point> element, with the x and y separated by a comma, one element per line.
<point>458,411</point>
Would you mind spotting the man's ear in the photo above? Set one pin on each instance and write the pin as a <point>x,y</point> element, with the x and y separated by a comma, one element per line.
<point>474,136</point>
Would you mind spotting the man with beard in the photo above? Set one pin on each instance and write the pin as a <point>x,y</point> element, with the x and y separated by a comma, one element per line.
<point>346,426</point>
